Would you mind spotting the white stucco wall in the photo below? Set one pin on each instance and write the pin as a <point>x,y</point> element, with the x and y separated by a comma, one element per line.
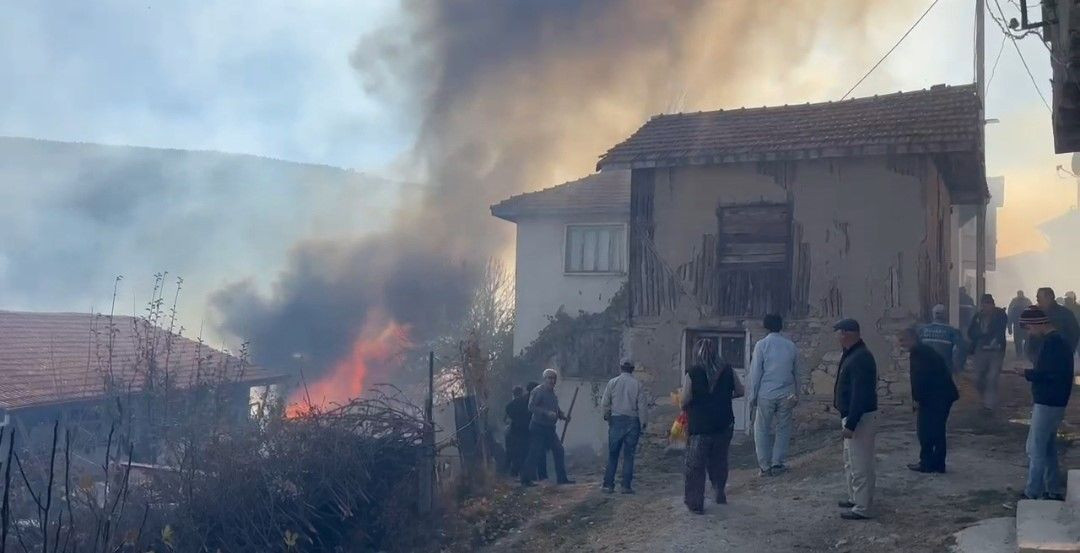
<point>543,286</point>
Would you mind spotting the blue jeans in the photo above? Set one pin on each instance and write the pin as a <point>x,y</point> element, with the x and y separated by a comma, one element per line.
<point>772,431</point>
<point>1043,475</point>
<point>623,435</point>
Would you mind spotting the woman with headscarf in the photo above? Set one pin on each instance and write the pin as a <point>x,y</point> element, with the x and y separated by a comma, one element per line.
<point>708,387</point>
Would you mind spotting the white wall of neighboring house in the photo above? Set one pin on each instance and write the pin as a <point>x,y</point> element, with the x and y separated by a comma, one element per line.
<point>542,283</point>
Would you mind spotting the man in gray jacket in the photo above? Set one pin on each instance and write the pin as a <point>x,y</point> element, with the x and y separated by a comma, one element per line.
<point>625,407</point>
<point>544,406</point>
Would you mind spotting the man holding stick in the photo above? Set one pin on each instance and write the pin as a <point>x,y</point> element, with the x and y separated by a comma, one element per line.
<point>544,406</point>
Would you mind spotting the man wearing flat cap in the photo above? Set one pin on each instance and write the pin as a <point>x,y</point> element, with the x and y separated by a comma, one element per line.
<point>855,397</point>
<point>625,406</point>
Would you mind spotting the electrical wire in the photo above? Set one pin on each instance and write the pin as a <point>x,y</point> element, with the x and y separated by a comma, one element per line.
<point>993,70</point>
<point>1032,77</point>
<point>879,62</point>
<point>1003,26</point>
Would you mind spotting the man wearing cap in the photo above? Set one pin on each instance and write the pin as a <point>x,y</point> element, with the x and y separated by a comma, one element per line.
<point>986,339</point>
<point>773,394</point>
<point>855,397</point>
<point>625,406</point>
<point>1051,384</point>
<point>1060,318</point>
<point>1019,334</point>
<point>932,394</point>
<point>944,339</point>
<point>544,406</point>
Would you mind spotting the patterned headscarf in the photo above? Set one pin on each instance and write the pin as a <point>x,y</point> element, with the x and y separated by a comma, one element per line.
<point>705,357</point>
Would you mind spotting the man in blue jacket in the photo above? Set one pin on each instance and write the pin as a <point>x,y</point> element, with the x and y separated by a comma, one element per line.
<point>1051,384</point>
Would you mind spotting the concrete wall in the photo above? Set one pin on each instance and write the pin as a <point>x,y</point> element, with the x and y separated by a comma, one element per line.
<point>543,286</point>
<point>876,240</point>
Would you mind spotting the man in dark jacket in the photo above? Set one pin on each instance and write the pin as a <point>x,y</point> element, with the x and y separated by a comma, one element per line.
<point>1060,318</point>
<point>986,343</point>
<point>708,387</point>
<point>855,397</point>
<point>1051,384</point>
<point>517,430</point>
<point>1019,333</point>
<point>932,394</point>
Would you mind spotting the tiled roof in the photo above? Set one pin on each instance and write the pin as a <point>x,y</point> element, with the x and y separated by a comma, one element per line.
<point>604,192</point>
<point>54,358</point>
<point>941,119</point>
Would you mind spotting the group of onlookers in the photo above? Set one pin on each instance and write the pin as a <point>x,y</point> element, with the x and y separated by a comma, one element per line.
<point>531,416</point>
<point>1046,334</point>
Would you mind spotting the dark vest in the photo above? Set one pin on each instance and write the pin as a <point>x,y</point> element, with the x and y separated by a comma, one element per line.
<point>710,411</point>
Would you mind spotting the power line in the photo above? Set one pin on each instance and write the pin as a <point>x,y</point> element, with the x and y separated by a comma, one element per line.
<point>1032,77</point>
<point>879,62</point>
<point>993,71</point>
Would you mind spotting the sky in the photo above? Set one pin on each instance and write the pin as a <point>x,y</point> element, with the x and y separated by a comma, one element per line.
<point>280,79</point>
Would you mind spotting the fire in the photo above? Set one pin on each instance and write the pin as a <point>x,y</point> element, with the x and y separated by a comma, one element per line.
<point>378,349</point>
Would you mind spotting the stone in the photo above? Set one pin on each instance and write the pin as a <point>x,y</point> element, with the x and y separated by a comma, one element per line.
<point>994,535</point>
<point>1047,526</point>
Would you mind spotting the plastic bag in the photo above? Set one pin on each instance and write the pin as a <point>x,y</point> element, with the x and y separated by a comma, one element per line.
<point>678,435</point>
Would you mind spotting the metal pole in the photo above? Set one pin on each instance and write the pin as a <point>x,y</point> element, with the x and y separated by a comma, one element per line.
<point>980,87</point>
<point>426,501</point>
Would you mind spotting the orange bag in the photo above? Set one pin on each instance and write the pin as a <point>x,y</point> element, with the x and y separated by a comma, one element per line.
<point>677,437</point>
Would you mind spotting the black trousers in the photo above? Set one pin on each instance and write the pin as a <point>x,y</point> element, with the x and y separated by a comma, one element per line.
<point>706,455</point>
<point>930,423</point>
<point>517,448</point>
<point>541,440</point>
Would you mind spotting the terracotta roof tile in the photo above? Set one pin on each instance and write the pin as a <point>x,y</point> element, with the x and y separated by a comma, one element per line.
<point>603,192</point>
<point>53,358</point>
<point>941,119</point>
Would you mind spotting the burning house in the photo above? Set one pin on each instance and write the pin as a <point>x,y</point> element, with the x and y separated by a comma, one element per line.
<point>812,211</point>
<point>75,368</point>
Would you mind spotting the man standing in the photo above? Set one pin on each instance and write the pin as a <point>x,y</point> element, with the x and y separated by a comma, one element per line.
<point>517,430</point>
<point>1019,333</point>
<point>944,339</point>
<point>1051,384</point>
<point>967,307</point>
<point>1060,318</point>
<point>625,406</point>
<point>986,337</point>
<point>773,394</point>
<point>544,406</point>
<point>708,387</point>
<point>1071,305</point>
<point>855,397</point>
<point>932,394</point>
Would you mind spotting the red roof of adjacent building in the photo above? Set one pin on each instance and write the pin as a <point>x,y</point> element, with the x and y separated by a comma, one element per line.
<point>56,358</point>
<point>606,192</point>
<point>942,119</point>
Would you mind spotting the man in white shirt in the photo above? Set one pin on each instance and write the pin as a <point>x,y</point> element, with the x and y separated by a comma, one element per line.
<point>625,407</point>
<point>773,394</point>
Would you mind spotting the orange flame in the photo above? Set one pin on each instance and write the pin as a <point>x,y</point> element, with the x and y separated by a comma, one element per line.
<point>379,348</point>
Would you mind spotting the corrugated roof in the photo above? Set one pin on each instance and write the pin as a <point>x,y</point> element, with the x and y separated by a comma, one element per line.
<point>604,192</point>
<point>54,358</point>
<point>939,120</point>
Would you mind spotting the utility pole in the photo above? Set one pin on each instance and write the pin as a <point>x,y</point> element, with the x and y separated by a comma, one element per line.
<point>980,88</point>
<point>426,481</point>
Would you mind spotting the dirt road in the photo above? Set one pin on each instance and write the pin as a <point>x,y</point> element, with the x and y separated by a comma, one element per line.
<point>797,511</point>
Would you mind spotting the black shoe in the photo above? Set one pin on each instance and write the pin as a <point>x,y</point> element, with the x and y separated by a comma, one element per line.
<point>565,482</point>
<point>845,504</point>
<point>529,484</point>
<point>721,498</point>
<point>765,472</point>
<point>1054,497</point>
<point>918,468</point>
<point>607,489</point>
<point>1026,497</point>
<point>696,510</point>
<point>777,470</point>
<point>852,515</point>
<point>627,491</point>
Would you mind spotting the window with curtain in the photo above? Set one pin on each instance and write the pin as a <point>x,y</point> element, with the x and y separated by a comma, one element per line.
<point>595,249</point>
